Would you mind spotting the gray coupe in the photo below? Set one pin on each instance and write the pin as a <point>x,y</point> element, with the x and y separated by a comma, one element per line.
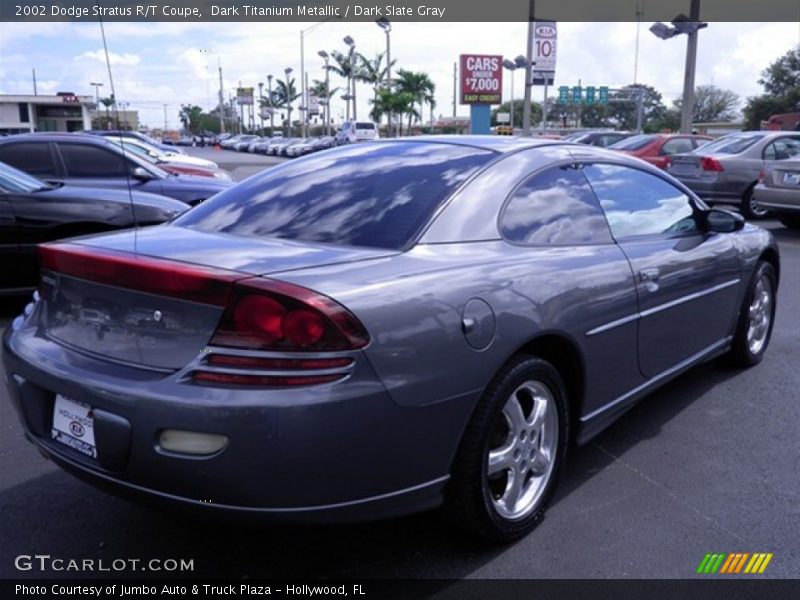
<point>384,328</point>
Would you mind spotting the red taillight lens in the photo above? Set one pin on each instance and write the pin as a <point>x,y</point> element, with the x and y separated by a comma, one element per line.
<point>281,364</point>
<point>762,175</point>
<point>708,163</point>
<point>262,381</point>
<point>274,315</point>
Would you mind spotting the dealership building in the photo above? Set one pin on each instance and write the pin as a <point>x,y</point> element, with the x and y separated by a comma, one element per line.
<point>63,112</point>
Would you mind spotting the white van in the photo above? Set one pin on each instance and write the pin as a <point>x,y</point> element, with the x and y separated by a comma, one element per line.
<point>356,131</point>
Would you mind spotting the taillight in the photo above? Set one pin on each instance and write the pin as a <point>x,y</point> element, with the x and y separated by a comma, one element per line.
<point>762,175</point>
<point>274,315</point>
<point>708,163</point>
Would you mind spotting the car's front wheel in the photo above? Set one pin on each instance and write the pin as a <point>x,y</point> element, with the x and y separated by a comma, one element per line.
<point>511,453</point>
<point>756,317</point>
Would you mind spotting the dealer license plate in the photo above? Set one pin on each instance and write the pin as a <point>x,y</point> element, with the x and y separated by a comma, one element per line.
<point>73,425</point>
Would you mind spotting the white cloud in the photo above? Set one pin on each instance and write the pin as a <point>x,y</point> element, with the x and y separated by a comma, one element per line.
<point>114,59</point>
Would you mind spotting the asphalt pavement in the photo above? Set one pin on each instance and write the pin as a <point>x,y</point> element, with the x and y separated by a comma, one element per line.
<point>707,464</point>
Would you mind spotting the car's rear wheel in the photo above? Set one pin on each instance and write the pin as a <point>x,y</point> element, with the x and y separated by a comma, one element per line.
<point>756,317</point>
<point>509,459</point>
<point>790,222</point>
<point>750,208</point>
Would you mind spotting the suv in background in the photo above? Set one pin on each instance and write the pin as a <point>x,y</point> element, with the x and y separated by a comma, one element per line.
<point>356,131</point>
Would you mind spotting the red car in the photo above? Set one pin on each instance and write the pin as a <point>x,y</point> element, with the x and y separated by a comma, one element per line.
<point>656,148</point>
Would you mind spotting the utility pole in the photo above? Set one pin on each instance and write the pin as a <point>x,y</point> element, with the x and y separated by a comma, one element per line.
<point>526,107</point>
<point>241,108</point>
<point>221,100</point>
<point>165,117</point>
<point>271,111</point>
<point>455,87</point>
<point>35,93</point>
<point>303,98</point>
<point>687,106</point>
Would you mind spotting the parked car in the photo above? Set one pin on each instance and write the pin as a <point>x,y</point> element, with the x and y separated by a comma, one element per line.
<point>657,148</point>
<point>356,131</point>
<point>138,136</point>
<point>228,142</point>
<point>382,329</point>
<point>93,161</point>
<point>260,147</point>
<point>251,147</point>
<point>778,191</point>
<point>278,147</point>
<point>726,170</point>
<point>243,143</point>
<point>32,212</point>
<point>598,138</point>
<point>173,163</point>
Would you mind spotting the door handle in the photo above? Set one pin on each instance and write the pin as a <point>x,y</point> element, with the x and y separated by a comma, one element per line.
<point>649,277</point>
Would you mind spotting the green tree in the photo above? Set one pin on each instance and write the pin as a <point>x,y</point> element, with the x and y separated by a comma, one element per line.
<point>189,116</point>
<point>712,104</point>
<point>421,88</point>
<point>781,81</point>
<point>622,112</point>
<point>348,69</point>
<point>282,97</point>
<point>390,103</point>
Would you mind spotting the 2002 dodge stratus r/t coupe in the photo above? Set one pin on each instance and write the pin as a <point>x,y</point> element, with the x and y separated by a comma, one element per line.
<point>383,328</point>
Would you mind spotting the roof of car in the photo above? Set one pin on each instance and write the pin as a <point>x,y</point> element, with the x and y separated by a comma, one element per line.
<point>497,143</point>
<point>57,136</point>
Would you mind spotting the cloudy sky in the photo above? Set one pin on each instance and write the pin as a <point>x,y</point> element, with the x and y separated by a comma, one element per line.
<point>175,63</point>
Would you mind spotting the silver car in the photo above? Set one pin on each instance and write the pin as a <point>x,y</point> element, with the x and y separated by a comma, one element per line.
<point>384,328</point>
<point>726,170</point>
<point>778,191</point>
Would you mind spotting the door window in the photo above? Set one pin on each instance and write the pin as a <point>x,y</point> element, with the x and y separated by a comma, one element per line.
<point>33,158</point>
<point>677,146</point>
<point>638,203</point>
<point>83,160</point>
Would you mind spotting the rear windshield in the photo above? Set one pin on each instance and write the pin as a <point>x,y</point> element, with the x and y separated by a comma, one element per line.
<point>730,144</point>
<point>375,195</point>
<point>365,125</point>
<point>636,142</point>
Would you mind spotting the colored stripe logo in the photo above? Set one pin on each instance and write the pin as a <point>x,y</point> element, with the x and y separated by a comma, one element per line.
<point>734,563</point>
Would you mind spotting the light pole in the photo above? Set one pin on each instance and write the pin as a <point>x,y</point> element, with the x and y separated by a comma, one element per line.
<point>690,26</point>
<point>260,98</point>
<point>526,107</point>
<point>327,106</point>
<point>271,111</point>
<point>511,66</point>
<point>97,87</point>
<point>288,71</point>
<point>351,81</point>
<point>384,24</point>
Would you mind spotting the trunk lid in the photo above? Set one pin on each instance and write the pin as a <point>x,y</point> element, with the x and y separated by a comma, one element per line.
<point>103,299</point>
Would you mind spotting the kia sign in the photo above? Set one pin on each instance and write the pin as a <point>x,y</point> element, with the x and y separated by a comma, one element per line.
<point>481,79</point>
<point>544,52</point>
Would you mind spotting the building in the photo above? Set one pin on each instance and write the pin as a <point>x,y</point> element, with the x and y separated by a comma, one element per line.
<point>27,113</point>
<point>102,119</point>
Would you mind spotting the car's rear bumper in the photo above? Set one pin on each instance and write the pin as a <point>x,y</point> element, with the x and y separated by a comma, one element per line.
<point>714,190</point>
<point>341,451</point>
<point>778,200</point>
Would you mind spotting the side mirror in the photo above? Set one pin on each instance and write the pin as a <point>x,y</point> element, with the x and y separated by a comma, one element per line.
<point>723,221</point>
<point>141,174</point>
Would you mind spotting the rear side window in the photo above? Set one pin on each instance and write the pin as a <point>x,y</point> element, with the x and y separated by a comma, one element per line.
<point>677,146</point>
<point>367,195</point>
<point>33,158</point>
<point>555,207</point>
<point>730,144</point>
<point>83,160</point>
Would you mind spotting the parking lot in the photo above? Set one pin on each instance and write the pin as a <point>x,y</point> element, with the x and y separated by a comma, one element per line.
<point>239,164</point>
<point>706,464</point>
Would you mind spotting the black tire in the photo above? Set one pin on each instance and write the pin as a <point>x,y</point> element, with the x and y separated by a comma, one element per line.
<point>469,500</point>
<point>790,221</point>
<point>749,209</point>
<point>742,353</point>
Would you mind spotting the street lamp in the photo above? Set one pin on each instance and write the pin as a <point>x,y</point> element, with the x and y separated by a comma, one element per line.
<point>260,98</point>
<point>326,110</point>
<point>288,71</point>
<point>351,80</point>
<point>511,66</point>
<point>384,24</point>
<point>97,87</point>
<point>271,111</point>
<point>690,26</point>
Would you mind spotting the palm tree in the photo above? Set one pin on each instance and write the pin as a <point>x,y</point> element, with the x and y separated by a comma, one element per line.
<point>319,88</point>
<point>394,103</point>
<point>283,96</point>
<point>419,85</point>
<point>348,69</point>
<point>107,102</point>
